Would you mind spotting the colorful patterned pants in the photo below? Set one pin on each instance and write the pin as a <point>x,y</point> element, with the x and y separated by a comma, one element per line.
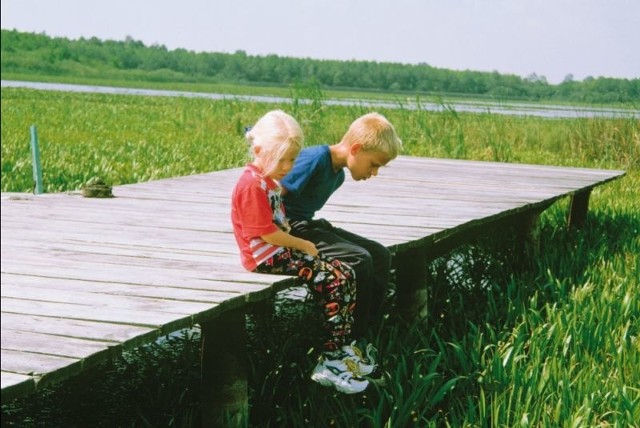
<point>332,281</point>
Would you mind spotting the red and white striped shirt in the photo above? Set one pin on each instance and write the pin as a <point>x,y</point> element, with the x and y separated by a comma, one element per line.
<point>256,210</point>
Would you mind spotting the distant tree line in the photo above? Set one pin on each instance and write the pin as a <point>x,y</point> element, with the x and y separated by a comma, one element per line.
<point>32,53</point>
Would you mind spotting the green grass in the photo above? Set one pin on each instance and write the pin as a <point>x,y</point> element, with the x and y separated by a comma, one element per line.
<point>127,139</point>
<point>556,344</point>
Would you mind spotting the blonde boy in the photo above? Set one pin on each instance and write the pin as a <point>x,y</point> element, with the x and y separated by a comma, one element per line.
<point>370,143</point>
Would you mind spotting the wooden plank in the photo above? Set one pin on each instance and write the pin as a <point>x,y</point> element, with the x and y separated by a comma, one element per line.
<point>79,329</point>
<point>60,346</point>
<point>165,322</point>
<point>106,301</point>
<point>16,385</point>
<point>169,293</point>
<point>50,358</point>
<point>214,287</point>
<point>27,241</point>
<point>172,238</point>
<point>38,364</point>
<point>136,274</point>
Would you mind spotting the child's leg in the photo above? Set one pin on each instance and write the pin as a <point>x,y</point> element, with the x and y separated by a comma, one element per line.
<point>332,280</point>
<point>379,277</point>
<point>370,260</point>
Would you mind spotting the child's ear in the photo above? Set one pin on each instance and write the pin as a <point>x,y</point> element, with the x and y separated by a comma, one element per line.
<point>355,148</point>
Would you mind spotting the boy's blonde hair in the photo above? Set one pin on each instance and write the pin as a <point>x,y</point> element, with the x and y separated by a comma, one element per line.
<point>375,133</point>
<point>275,133</point>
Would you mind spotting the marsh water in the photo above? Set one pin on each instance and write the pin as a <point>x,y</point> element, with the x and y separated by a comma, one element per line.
<point>488,107</point>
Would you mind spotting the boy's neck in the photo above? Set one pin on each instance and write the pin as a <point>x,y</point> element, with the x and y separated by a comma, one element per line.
<point>339,154</point>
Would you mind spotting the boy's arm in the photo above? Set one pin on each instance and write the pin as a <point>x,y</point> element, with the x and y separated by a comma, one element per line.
<point>283,239</point>
<point>303,168</point>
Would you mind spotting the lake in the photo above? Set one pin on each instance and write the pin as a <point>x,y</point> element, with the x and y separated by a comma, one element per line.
<point>488,107</point>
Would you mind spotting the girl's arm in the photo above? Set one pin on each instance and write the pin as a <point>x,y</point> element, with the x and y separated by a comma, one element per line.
<point>283,239</point>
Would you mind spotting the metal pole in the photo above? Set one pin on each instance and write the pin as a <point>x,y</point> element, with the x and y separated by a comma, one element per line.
<point>37,169</point>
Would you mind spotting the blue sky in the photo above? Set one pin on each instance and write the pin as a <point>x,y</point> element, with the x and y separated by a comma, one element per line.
<point>551,38</point>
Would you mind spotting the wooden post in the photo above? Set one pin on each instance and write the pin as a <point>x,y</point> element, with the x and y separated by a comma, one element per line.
<point>411,278</point>
<point>528,237</point>
<point>578,210</point>
<point>224,371</point>
<point>37,169</point>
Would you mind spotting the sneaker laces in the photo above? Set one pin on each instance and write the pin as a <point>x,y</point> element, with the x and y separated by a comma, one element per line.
<point>357,352</point>
<point>354,359</point>
<point>353,366</point>
<point>368,356</point>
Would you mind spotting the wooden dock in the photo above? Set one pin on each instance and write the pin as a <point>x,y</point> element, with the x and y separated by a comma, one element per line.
<point>84,278</point>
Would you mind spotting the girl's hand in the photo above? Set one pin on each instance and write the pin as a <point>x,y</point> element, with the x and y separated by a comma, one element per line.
<point>310,248</point>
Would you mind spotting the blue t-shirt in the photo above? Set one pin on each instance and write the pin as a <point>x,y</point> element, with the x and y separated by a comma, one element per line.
<point>310,183</point>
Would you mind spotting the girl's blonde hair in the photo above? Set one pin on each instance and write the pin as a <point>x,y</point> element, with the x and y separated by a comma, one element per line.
<point>275,133</point>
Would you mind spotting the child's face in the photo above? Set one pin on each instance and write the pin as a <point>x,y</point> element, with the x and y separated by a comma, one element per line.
<point>365,164</point>
<point>285,163</point>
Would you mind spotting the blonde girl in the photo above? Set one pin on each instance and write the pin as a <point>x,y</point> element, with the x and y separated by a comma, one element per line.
<point>261,230</point>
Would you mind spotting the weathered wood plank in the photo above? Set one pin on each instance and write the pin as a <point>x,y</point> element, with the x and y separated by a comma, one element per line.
<point>60,346</point>
<point>225,288</point>
<point>137,318</point>
<point>49,358</point>
<point>168,293</point>
<point>38,364</point>
<point>79,329</point>
<point>16,385</point>
<point>107,301</point>
<point>136,274</point>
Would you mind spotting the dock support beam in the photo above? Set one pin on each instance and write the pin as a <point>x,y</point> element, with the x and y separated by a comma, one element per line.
<point>578,210</point>
<point>411,278</point>
<point>225,397</point>
<point>527,227</point>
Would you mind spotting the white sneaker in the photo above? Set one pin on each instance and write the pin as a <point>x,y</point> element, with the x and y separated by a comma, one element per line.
<point>335,373</point>
<point>350,358</point>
